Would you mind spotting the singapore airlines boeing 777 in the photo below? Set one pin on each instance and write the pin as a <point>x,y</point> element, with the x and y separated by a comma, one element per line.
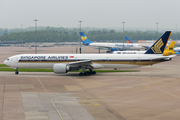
<point>62,63</point>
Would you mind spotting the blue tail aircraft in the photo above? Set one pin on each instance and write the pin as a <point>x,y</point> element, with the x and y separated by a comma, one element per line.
<point>84,39</point>
<point>110,46</point>
<point>128,40</point>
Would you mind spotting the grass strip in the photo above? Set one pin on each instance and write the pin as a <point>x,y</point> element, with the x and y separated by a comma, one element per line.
<point>51,70</point>
<point>27,70</point>
<point>3,65</point>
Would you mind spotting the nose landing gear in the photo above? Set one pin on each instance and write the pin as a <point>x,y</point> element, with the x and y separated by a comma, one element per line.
<point>16,72</point>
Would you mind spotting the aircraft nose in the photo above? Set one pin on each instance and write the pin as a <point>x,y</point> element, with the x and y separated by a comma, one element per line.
<point>5,62</point>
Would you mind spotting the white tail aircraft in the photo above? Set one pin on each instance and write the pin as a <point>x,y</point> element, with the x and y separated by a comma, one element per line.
<point>169,51</point>
<point>62,63</point>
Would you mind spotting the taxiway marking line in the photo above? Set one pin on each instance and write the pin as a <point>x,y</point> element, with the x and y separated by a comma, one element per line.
<point>57,109</point>
<point>160,90</point>
<point>42,84</point>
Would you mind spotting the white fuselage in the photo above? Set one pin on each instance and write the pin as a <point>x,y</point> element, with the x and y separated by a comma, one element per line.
<point>177,49</point>
<point>128,52</point>
<point>98,60</point>
<point>125,46</point>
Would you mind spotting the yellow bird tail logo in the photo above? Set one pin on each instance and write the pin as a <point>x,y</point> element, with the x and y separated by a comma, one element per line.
<point>157,47</point>
<point>170,48</point>
<point>83,38</point>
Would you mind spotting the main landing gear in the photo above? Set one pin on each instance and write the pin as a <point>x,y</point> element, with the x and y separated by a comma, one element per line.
<point>16,72</point>
<point>87,73</point>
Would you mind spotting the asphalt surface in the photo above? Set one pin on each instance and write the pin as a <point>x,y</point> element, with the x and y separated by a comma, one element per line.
<point>151,94</point>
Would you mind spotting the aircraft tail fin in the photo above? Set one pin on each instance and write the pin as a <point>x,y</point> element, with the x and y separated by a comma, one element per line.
<point>128,40</point>
<point>159,46</point>
<point>84,39</point>
<point>170,49</point>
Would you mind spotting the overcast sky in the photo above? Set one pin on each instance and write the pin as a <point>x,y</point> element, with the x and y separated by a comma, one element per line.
<point>93,13</point>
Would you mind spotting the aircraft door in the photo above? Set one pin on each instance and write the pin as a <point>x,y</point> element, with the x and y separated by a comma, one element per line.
<point>107,59</point>
<point>16,59</point>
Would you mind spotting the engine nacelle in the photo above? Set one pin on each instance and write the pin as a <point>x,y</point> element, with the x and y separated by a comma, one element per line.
<point>114,49</point>
<point>60,68</point>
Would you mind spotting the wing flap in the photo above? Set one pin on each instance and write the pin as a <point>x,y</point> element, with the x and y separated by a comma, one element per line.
<point>80,63</point>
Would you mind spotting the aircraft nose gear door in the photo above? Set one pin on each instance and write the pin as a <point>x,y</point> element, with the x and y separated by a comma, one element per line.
<point>16,61</point>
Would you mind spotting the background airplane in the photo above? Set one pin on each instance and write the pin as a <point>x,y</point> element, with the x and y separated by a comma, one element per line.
<point>62,63</point>
<point>147,45</point>
<point>169,51</point>
<point>177,50</point>
<point>110,46</point>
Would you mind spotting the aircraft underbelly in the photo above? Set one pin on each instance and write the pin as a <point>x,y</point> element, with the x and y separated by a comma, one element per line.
<point>35,65</point>
<point>96,66</point>
<point>119,66</point>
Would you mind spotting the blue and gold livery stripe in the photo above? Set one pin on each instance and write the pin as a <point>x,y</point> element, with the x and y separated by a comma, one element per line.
<point>101,61</point>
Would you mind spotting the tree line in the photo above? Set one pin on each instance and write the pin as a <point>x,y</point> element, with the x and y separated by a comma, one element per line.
<point>54,34</point>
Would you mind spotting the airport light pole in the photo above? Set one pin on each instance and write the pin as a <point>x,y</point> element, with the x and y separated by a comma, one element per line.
<point>176,32</point>
<point>157,27</point>
<point>123,26</point>
<point>123,34</point>
<point>80,38</point>
<point>22,32</point>
<point>58,32</point>
<point>35,36</point>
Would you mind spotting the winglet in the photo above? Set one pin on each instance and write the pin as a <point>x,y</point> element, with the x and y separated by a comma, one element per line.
<point>84,39</point>
<point>159,46</point>
<point>128,40</point>
<point>170,49</point>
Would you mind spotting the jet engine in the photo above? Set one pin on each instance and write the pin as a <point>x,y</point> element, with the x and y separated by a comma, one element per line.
<point>60,68</point>
<point>114,49</point>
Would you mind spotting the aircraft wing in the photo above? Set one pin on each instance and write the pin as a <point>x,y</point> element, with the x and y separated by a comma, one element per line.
<point>80,63</point>
<point>103,47</point>
<point>146,46</point>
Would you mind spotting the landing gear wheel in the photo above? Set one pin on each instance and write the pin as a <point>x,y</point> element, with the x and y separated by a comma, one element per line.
<point>81,74</point>
<point>16,72</point>
<point>87,73</point>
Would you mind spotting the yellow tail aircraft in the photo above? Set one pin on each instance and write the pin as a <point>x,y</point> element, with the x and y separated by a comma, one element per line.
<point>170,49</point>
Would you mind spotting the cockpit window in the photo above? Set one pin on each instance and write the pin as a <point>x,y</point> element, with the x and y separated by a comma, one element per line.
<point>8,59</point>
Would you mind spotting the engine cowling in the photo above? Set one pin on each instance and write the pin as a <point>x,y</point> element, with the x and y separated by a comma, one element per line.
<point>60,68</point>
<point>114,49</point>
